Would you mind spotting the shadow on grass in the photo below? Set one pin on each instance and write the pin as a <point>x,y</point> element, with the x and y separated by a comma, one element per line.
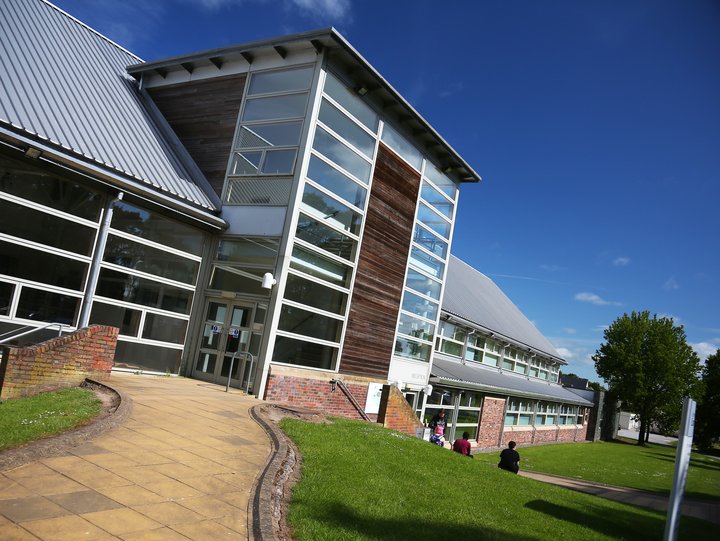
<point>621,525</point>
<point>344,519</point>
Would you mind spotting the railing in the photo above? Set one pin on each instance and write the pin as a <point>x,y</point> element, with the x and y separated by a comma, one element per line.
<point>351,397</point>
<point>17,333</point>
<point>248,355</point>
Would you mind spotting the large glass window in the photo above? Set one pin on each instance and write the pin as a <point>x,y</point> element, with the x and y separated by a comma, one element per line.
<point>125,319</point>
<point>135,356</point>
<point>337,121</point>
<point>423,284</point>
<point>418,305</point>
<point>40,266</point>
<point>330,210</point>
<point>434,221</point>
<point>350,102</point>
<point>269,135</point>
<point>299,321</point>
<point>34,225</point>
<point>164,328</point>
<point>519,412</point>
<point>325,175</point>
<point>246,280</point>
<point>392,138</point>
<point>313,294</point>
<point>342,155</point>
<point>416,327</point>
<point>441,180</point>
<point>275,107</point>
<point>430,241</point>
<point>309,262</point>
<point>427,263</point>
<point>34,184</point>
<point>266,82</point>
<point>322,236</point>
<point>133,289</point>
<point>140,257</point>
<point>47,306</point>
<point>156,228</point>
<point>299,352</point>
<point>437,200</point>
<point>411,349</point>
<point>249,251</point>
<point>6,297</point>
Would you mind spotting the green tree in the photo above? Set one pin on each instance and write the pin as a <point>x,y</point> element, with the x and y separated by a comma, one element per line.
<point>648,364</point>
<point>707,425</point>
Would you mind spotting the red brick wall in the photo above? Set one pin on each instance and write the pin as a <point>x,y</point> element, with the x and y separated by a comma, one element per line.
<point>491,422</point>
<point>316,394</point>
<point>395,412</point>
<point>60,362</point>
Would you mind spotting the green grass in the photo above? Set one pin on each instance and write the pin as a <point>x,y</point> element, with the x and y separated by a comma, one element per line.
<point>27,419</point>
<point>649,467</point>
<point>360,481</point>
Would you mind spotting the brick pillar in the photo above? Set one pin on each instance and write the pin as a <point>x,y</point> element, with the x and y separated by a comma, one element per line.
<point>395,412</point>
<point>492,423</point>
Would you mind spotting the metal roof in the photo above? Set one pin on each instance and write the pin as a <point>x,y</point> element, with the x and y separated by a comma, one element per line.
<point>475,376</point>
<point>474,298</point>
<point>66,86</point>
<point>374,85</point>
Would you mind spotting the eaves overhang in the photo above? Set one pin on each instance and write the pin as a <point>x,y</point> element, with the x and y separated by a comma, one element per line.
<point>48,153</point>
<point>332,43</point>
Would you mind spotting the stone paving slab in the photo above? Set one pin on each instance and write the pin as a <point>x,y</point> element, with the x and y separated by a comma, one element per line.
<point>181,466</point>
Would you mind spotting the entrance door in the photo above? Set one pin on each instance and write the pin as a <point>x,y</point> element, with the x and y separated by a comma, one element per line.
<point>226,330</point>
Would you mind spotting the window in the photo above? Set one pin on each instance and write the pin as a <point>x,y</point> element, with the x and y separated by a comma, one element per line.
<point>519,412</point>
<point>546,413</point>
<point>322,173</point>
<point>299,352</point>
<point>392,138</point>
<point>346,128</point>
<point>342,155</point>
<point>351,102</point>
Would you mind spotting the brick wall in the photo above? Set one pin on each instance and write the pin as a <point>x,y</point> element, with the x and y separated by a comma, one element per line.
<point>395,412</point>
<point>317,394</point>
<point>491,422</point>
<point>60,362</point>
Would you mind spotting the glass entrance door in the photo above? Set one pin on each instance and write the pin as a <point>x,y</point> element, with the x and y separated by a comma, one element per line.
<point>227,330</point>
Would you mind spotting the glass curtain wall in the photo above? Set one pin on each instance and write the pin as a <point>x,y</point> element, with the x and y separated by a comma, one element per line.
<point>266,144</point>
<point>146,286</point>
<point>331,213</point>
<point>48,227</point>
<point>420,307</point>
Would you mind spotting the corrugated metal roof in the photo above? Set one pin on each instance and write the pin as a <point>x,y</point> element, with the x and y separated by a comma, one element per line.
<point>65,84</point>
<point>474,297</point>
<point>481,378</point>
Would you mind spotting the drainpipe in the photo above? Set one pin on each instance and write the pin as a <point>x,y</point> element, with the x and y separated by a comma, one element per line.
<point>96,261</point>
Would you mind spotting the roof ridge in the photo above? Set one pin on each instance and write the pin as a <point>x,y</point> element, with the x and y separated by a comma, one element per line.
<point>102,36</point>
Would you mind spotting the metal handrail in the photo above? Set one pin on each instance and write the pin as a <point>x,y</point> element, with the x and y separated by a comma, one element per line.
<point>232,363</point>
<point>10,335</point>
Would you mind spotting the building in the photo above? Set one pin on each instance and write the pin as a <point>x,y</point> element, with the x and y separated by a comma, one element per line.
<point>274,213</point>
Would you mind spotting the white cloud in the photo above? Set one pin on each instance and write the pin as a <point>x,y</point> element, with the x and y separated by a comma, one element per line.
<point>621,261</point>
<point>676,320</point>
<point>705,349</point>
<point>592,298</point>
<point>670,284</point>
<point>324,9</point>
<point>565,353</point>
<point>570,330</point>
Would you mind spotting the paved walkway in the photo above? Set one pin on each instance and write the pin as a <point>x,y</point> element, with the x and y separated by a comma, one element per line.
<point>181,467</point>
<point>706,510</point>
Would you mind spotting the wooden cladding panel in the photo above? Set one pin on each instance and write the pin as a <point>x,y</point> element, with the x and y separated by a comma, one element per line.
<point>381,268</point>
<point>204,114</point>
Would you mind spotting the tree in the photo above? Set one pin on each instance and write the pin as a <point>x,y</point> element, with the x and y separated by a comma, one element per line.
<point>648,364</point>
<point>707,425</point>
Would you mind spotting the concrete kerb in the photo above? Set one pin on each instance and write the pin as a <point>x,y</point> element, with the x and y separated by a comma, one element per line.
<point>269,497</point>
<point>57,445</point>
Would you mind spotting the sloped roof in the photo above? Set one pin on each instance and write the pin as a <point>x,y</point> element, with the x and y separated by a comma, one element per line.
<point>482,378</point>
<point>342,53</point>
<point>474,297</point>
<point>66,86</point>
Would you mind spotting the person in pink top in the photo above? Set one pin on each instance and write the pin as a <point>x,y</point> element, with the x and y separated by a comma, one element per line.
<point>462,445</point>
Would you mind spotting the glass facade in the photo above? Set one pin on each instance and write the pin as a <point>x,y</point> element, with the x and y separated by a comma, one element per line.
<point>331,214</point>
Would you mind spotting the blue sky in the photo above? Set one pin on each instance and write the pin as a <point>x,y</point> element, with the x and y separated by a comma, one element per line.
<point>595,126</point>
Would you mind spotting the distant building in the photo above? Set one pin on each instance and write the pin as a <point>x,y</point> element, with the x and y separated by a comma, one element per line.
<point>272,212</point>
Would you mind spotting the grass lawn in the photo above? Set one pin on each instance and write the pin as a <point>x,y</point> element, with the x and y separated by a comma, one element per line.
<point>26,419</point>
<point>621,464</point>
<point>360,481</point>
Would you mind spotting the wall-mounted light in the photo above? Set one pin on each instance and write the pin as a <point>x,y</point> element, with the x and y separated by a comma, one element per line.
<point>428,389</point>
<point>268,280</point>
<point>361,90</point>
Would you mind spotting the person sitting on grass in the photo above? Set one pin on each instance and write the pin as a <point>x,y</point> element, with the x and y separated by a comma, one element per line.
<point>510,458</point>
<point>462,445</point>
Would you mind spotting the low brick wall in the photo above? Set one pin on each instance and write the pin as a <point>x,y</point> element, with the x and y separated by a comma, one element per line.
<point>395,412</point>
<point>317,394</point>
<point>60,362</point>
<point>492,421</point>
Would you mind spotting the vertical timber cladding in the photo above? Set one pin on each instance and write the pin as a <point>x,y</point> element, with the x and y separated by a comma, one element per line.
<point>381,267</point>
<point>204,115</point>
